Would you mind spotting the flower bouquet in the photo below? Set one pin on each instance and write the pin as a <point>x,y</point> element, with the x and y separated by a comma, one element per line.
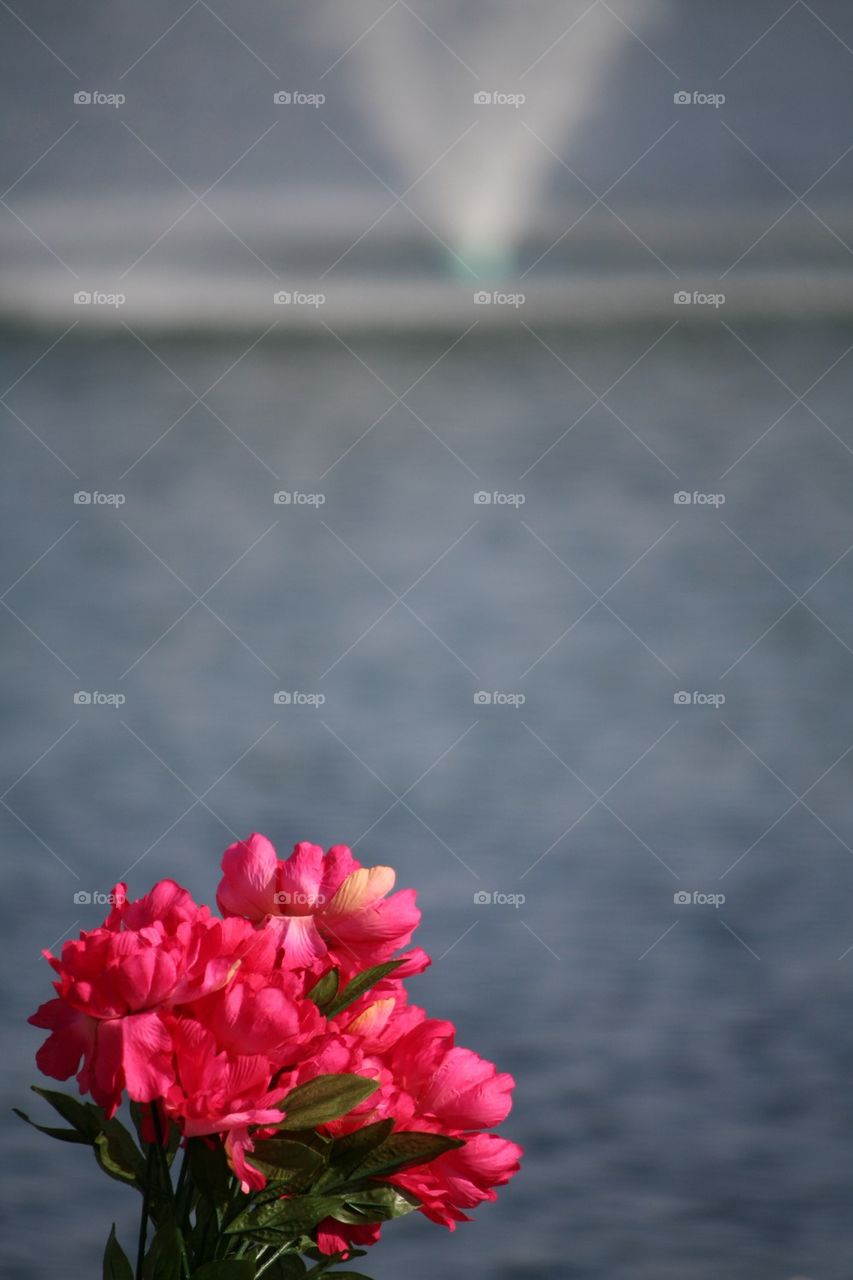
<point>287,1098</point>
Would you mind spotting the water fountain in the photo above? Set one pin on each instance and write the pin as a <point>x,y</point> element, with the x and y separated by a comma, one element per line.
<point>450,159</point>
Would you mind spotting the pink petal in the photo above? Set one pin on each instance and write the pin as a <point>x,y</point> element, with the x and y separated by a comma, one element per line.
<point>237,1144</point>
<point>388,923</point>
<point>336,1237</point>
<point>145,977</point>
<point>299,880</point>
<point>372,1020</point>
<point>102,1074</point>
<point>301,940</point>
<point>467,1092</point>
<point>248,878</point>
<point>362,889</point>
<point>73,1038</point>
<point>146,1056</point>
<point>166,905</point>
<point>338,864</point>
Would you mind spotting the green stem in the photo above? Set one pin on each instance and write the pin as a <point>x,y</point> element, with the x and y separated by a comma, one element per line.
<point>184,1190</point>
<point>146,1200</point>
<point>170,1190</point>
<point>284,1248</point>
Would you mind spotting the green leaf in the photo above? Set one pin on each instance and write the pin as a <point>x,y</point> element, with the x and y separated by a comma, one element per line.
<point>116,1265</point>
<point>282,1219</point>
<point>85,1117</point>
<point>115,1150</point>
<point>324,991</point>
<point>360,984</point>
<point>324,1098</point>
<point>288,1267</point>
<point>326,1260</point>
<point>203,1238</point>
<point>118,1155</point>
<point>400,1150</point>
<point>227,1269</point>
<point>64,1135</point>
<point>349,1151</point>
<point>164,1257</point>
<point>349,1275</point>
<point>375,1204</point>
<point>284,1160</point>
<point>210,1170</point>
<point>324,1266</point>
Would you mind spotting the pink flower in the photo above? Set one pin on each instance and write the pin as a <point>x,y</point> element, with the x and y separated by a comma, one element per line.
<point>424,1083</point>
<point>231,1048</point>
<point>336,1237</point>
<point>462,1178</point>
<point>260,1013</point>
<point>211,1022</point>
<point>322,905</point>
<point>452,1086</point>
<point>219,1092</point>
<point>115,982</point>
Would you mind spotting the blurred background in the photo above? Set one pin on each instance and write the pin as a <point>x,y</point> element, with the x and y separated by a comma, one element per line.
<point>427,427</point>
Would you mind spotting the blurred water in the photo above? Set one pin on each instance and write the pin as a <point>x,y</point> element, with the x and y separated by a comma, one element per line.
<point>684,1099</point>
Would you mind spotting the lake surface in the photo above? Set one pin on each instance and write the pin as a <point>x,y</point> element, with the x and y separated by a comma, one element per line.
<point>683,1070</point>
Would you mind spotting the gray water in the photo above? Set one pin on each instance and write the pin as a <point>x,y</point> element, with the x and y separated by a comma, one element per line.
<point>683,1096</point>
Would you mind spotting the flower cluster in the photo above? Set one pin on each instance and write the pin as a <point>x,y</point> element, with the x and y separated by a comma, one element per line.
<point>217,1023</point>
